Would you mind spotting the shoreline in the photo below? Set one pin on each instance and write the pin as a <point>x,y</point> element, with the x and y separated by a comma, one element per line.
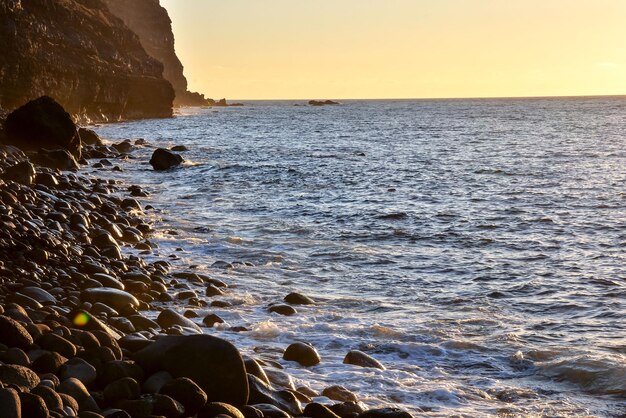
<point>76,306</point>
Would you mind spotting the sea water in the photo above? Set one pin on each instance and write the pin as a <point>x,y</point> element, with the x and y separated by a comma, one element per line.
<point>477,248</point>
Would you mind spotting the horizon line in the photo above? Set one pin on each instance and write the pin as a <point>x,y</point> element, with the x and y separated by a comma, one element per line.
<point>581,96</point>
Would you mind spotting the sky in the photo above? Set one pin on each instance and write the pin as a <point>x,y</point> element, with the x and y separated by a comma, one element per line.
<point>350,49</point>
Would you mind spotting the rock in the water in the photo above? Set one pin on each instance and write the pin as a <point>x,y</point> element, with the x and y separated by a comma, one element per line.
<point>282,310</point>
<point>213,364</point>
<point>212,319</point>
<point>214,409</point>
<point>322,102</point>
<point>302,353</point>
<point>359,358</point>
<point>163,159</point>
<point>89,137</point>
<point>339,393</point>
<point>20,376</point>
<point>185,391</point>
<point>316,410</point>
<point>386,413</point>
<point>168,318</point>
<point>42,123</point>
<point>298,299</point>
<point>262,393</point>
<point>271,411</point>
<point>115,298</point>
<point>13,334</point>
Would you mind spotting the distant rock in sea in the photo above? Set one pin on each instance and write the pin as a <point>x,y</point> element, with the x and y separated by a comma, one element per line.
<point>322,102</point>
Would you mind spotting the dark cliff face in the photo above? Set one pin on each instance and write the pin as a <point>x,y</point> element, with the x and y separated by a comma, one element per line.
<point>152,24</point>
<point>79,53</point>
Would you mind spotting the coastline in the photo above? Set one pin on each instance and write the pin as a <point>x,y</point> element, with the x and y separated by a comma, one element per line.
<point>80,312</point>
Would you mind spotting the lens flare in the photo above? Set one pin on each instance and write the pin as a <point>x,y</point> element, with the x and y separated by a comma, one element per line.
<point>81,319</point>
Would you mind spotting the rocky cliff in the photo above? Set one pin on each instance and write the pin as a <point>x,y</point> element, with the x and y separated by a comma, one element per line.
<point>79,53</point>
<point>152,24</point>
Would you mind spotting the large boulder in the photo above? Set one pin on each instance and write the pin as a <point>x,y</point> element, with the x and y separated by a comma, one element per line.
<point>215,365</point>
<point>163,159</point>
<point>42,123</point>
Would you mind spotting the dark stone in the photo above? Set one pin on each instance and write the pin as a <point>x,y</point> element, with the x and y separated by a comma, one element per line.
<point>23,173</point>
<point>185,391</point>
<point>169,318</point>
<point>50,397</point>
<point>298,299</point>
<point>302,353</point>
<point>316,410</point>
<point>49,362</point>
<point>212,290</point>
<point>359,358</point>
<point>163,159</point>
<point>386,413</point>
<point>322,102</point>
<point>262,393</point>
<point>167,407</point>
<point>213,364</point>
<point>42,123</point>
<point>57,344</point>
<point>254,368</point>
<point>19,376</point>
<point>115,298</point>
<point>251,412</point>
<point>33,406</point>
<point>212,319</point>
<point>89,137</point>
<point>122,389</point>
<point>13,334</point>
<point>213,409</point>
<point>57,159</point>
<point>271,411</point>
<point>10,405</point>
<point>282,310</point>
<point>339,393</point>
<point>347,409</point>
<point>179,148</point>
<point>74,388</point>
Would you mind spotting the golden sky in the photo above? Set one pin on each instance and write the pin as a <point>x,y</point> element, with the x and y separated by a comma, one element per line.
<point>305,49</point>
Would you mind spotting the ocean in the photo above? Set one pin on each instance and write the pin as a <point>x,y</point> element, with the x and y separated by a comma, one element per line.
<point>476,248</point>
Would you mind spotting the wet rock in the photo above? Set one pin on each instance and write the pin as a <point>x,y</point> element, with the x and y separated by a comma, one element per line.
<point>254,368</point>
<point>122,389</point>
<point>57,159</point>
<point>39,294</point>
<point>49,362</point>
<point>302,353</point>
<point>23,173</point>
<point>50,397</point>
<point>16,356</point>
<point>298,299</point>
<point>57,344</point>
<point>212,290</point>
<point>19,376</point>
<point>339,393</point>
<point>33,406</point>
<point>322,102</point>
<point>262,393</point>
<point>186,392</point>
<point>282,310</point>
<point>89,137</point>
<point>78,391</point>
<point>13,334</point>
<point>347,409</point>
<point>316,410</point>
<point>42,123</point>
<point>169,318</point>
<point>213,409</point>
<point>200,358</point>
<point>179,148</point>
<point>155,382</point>
<point>163,159</point>
<point>79,369</point>
<point>10,405</point>
<point>115,298</point>
<point>359,358</point>
<point>271,411</point>
<point>386,413</point>
<point>212,319</point>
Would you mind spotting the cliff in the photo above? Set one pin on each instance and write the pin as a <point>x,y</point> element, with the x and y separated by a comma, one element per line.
<point>79,53</point>
<point>152,24</point>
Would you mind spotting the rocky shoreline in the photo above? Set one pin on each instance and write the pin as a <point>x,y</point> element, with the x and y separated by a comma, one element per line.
<point>89,329</point>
